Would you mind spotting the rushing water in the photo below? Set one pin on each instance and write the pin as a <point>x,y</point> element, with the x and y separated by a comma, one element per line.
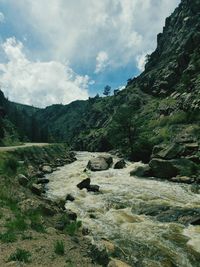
<point>117,213</point>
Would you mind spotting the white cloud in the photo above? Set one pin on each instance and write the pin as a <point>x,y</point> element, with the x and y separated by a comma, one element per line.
<point>141,60</point>
<point>39,83</point>
<point>2,17</point>
<point>101,61</point>
<point>78,30</point>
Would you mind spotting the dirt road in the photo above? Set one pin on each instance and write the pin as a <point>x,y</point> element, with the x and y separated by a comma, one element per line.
<point>11,148</point>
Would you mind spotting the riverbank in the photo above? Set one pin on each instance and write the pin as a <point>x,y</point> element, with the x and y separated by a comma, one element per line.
<point>29,223</point>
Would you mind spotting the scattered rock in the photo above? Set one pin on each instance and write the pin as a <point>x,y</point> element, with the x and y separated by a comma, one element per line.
<point>85,231</point>
<point>93,188</point>
<point>23,180</point>
<point>37,189</point>
<point>120,164</point>
<point>110,247</point>
<point>69,197</point>
<point>72,216</point>
<point>117,263</point>
<point>141,171</point>
<point>84,184</point>
<point>47,169</point>
<point>42,181</point>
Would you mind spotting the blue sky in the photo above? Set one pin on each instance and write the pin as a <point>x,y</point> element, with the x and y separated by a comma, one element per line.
<point>57,51</point>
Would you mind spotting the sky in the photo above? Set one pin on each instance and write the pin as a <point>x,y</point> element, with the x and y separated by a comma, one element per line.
<point>58,51</point>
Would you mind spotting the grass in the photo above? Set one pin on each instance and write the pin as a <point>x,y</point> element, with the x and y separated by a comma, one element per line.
<point>20,255</point>
<point>73,227</point>
<point>8,237</point>
<point>59,248</point>
<point>18,224</point>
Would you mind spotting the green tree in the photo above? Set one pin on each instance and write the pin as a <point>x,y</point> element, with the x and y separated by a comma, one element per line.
<point>107,90</point>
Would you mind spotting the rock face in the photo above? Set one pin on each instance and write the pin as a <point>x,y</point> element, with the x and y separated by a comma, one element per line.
<point>120,164</point>
<point>100,163</point>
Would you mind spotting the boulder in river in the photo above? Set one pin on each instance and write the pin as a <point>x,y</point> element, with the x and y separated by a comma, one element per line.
<point>100,163</point>
<point>141,171</point>
<point>47,169</point>
<point>84,184</point>
<point>69,197</point>
<point>93,188</point>
<point>120,164</point>
<point>42,181</point>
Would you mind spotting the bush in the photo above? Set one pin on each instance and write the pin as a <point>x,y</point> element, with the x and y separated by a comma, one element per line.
<point>10,166</point>
<point>18,224</point>
<point>8,237</point>
<point>59,248</point>
<point>20,255</point>
<point>73,227</point>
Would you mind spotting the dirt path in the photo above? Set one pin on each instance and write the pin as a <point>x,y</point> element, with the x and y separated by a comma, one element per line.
<point>11,148</point>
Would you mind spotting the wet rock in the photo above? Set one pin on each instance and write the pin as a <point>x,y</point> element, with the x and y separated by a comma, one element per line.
<point>39,174</point>
<point>37,189</point>
<point>47,169</point>
<point>48,210</point>
<point>117,263</point>
<point>61,204</point>
<point>42,181</point>
<point>69,197</point>
<point>141,171</point>
<point>85,231</point>
<point>120,164</point>
<point>72,216</point>
<point>100,163</point>
<point>195,221</point>
<point>22,179</point>
<point>93,188</point>
<point>84,184</point>
<point>182,179</point>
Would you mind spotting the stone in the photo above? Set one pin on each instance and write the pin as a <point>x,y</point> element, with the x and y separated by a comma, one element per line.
<point>84,184</point>
<point>37,189</point>
<point>69,197</point>
<point>117,263</point>
<point>85,231</point>
<point>72,216</point>
<point>43,181</point>
<point>99,254</point>
<point>170,152</point>
<point>141,171</point>
<point>171,168</point>
<point>120,164</point>
<point>22,179</point>
<point>93,188</point>
<point>183,179</point>
<point>39,174</point>
<point>100,163</point>
<point>195,221</point>
<point>110,247</point>
<point>47,169</point>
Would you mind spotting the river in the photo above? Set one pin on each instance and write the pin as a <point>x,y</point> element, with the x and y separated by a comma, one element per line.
<point>126,212</point>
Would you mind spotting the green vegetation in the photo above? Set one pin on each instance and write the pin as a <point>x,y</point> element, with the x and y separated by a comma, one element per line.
<point>21,255</point>
<point>73,227</point>
<point>59,248</point>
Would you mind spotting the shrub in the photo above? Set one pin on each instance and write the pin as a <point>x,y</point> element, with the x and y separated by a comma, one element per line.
<point>59,248</point>
<point>10,166</point>
<point>8,237</point>
<point>73,227</point>
<point>18,224</point>
<point>20,255</point>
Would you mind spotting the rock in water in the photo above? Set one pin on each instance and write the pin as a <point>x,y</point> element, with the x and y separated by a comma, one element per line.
<point>120,164</point>
<point>100,163</point>
<point>69,197</point>
<point>93,188</point>
<point>84,184</point>
<point>141,171</point>
<point>47,169</point>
